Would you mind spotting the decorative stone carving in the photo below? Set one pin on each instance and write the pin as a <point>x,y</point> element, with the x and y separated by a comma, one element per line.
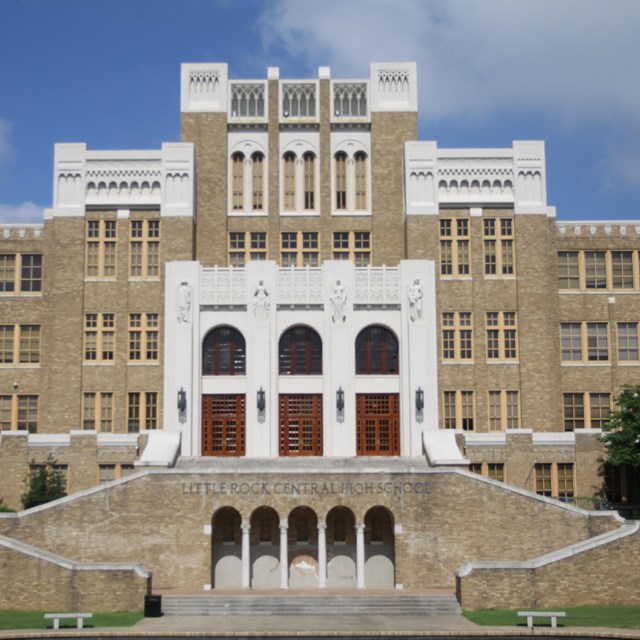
<point>415,300</point>
<point>338,299</point>
<point>261,303</point>
<point>184,303</point>
<point>247,100</point>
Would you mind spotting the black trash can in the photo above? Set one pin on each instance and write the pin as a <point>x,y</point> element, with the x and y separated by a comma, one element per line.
<point>152,606</point>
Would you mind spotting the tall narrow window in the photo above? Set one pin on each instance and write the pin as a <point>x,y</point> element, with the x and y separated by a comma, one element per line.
<point>627,341</point>
<point>143,337</point>
<point>99,337</point>
<point>454,247</point>
<point>341,181</point>
<point>309,161</point>
<point>101,248</point>
<point>568,270</point>
<point>257,180</point>
<point>237,182</point>
<point>361,180</point>
<point>289,181</point>
<point>142,411</point>
<point>144,253</point>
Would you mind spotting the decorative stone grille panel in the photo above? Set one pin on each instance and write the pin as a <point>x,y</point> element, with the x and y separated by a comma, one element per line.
<point>300,287</point>
<point>204,86</point>
<point>350,100</point>
<point>223,286</point>
<point>248,101</point>
<point>377,286</point>
<point>299,100</point>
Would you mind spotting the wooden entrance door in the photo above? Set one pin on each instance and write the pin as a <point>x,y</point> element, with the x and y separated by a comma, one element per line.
<point>223,425</point>
<point>378,423</point>
<point>301,425</point>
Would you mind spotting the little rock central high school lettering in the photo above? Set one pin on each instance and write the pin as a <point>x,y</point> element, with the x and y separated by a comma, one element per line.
<point>304,488</point>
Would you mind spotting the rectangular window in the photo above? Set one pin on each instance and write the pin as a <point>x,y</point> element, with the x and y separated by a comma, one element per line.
<point>19,412</point>
<point>555,479</point>
<point>142,411</point>
<point>504,409</point>
<point>628,341</point>
<point>498,247</point>
<point>100,252</point>
<point>97,411</point>
<point>20,273</point>
<point>584,341</point>
<point>454,247</point>
<point>622,270</point>
<point>143,337</point>
<point>458,410</point>
<point>586,410</point>
<point>568,270</point>
<point>144,248</point>
<point>20,344</point>
<point>595,269</point>
<point>543,479</point>
<point>289,182</point>
<point>99,337</point>
<point>502,343</point>
<point>352,245</point>
<point>299,249</point>
<point>245,246</point>
<point>457,335</point>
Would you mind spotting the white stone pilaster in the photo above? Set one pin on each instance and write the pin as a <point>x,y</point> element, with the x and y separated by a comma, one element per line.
<point>360,584</point>
<point>284,556</point>
<point>246,555</point>
<point>322,556</point>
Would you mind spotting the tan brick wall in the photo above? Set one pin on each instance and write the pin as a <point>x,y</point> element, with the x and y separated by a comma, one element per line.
<point>38,584</point>
<point>595,577</point>
<point>450,519</point>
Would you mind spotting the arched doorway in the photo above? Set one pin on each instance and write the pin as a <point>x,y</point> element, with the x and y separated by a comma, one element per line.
<point>265,549</point>
<point>341,549</point>
<point>303,548</point>
<point>380,561</point>
<point>226,549</point>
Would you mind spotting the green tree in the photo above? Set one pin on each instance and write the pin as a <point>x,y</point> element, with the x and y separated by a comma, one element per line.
<point>46,483</point>
<point>621,435</point>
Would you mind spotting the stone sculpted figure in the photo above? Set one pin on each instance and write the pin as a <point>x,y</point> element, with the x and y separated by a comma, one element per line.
<point>261,302</point>
<point>338,299</point>
<point>184,303</point>
<point>415,300</point>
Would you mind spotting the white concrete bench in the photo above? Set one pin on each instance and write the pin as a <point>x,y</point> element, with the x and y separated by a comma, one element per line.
<point>56,617</point>
<point>553,615</point>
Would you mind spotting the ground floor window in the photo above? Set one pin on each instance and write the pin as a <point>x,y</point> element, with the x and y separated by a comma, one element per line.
<point>300,425</point>
<point>378,424</point>
<point>223,425</point>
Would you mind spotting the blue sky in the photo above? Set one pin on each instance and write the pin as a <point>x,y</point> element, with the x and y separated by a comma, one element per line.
<point>107,73</point>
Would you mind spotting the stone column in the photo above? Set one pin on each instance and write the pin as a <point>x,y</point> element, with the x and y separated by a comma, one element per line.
<point>360,556</point>
<point>322,556</point>
<point>284,556</point>
<point>246,553</point>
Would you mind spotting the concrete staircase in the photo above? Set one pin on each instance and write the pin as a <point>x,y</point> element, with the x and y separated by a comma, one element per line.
<point>311,605</point>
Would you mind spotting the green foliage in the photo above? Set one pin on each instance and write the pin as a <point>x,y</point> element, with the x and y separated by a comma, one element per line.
<point>46,483</point>
<point>622,617</point>
<point>621,435</point>
<point>4,508</point>
<point>14,619</point>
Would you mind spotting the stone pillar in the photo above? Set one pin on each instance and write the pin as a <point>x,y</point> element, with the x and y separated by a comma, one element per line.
<point>360,556</point>
<point>246,553</point>
<point>322,556</point>
<point>284,556</point>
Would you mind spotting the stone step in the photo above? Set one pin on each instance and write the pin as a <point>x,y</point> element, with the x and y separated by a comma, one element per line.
<point>288,605</point>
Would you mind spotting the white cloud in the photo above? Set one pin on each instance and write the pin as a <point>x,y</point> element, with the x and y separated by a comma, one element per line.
<point>25,213</point>
<point>575,59</point>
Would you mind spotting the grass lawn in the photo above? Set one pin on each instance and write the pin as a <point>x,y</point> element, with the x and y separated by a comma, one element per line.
<point>13,619</point>
<point>624,617</point>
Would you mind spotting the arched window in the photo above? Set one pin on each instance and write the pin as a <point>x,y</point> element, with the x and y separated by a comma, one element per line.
<point>300,352</point>
<point>289,181</point>
<point>309,161</point>
<point>257,182</point>
<point>223,353</point>
<point>361,180</point>
<point>341,180</point>
<point>376,352</point>
<point>237,181</point>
